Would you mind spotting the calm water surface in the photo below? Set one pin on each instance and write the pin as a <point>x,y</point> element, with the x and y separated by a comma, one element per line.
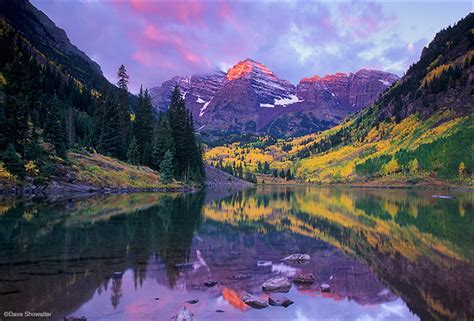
<point>387,254</point>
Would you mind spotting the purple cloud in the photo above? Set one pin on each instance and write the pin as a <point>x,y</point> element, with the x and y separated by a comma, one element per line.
<point>159,39</point>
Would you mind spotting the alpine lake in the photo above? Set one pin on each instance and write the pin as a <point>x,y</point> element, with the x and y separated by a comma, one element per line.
<point>381,254</point>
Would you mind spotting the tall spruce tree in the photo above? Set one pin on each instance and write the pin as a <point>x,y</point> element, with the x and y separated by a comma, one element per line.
<point>124,116</point>
<point>144,126</point>
<point>167,168</point>
<point>162,142</point>
<point>110,138</point>
<point>55,127</point>
<point>188,155</point>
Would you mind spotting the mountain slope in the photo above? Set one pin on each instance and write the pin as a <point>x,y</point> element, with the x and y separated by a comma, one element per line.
<point>51,41</point>
<point>419,129</point>
<point>250,98</point>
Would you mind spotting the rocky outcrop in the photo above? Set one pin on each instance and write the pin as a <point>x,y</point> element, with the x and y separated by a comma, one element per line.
<point>250,98</point>
<point>215,178</point>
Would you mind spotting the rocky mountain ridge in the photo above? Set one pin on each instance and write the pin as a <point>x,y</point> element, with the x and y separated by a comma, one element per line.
<point>250,98</point>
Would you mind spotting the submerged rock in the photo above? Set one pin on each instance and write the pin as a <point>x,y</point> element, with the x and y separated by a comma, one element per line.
<point>220,311</point>
<point>325,287</point>
<point>241,276</point>
<point>297,258</point>
<point>304,278</point>
<point>254,301</point>
<point>277,284</point>
<point>184,314</point>
<point>193,301</point>
<point>279,300</point>
<point>210,283</point>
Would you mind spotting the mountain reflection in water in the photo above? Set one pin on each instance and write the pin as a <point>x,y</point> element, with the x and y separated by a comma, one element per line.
<point>387,254</point>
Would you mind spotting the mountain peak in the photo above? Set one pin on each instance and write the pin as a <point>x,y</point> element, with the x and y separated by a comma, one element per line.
<point>247,67</point>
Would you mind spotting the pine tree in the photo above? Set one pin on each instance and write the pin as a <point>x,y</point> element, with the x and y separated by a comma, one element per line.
<point>110,139</point>
<point>282,173</point>
<point>288,175</point>
<point>167,168</point>
<point>13,162</point>
<point>144,126</point>
<point>122,84</point>
<point>133,155</point>
<point>55,127</point>
<point>162,142</point>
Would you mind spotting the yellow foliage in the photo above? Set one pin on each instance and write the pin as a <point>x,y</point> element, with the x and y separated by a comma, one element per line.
<point>32,169</point>
<point>391,167</point>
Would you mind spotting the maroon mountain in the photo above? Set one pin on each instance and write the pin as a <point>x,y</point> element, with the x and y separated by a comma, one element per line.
<point>250,98</point>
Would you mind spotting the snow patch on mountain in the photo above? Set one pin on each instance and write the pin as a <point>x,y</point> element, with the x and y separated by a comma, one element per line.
<point>283,101</point>
<point>386,83</point>
<point>199,100</point>
<point>201,111</point>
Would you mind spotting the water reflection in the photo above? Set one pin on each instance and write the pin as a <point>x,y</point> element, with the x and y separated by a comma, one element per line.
<point>386,254</point>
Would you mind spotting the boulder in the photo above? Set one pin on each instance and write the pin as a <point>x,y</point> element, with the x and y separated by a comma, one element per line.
<point>254,301</point>
<point>297,258</point>
<point>304,278</point>
<point>279,300</point>
<point>184,314</point>
<point>210,283</point>
<point>325,287</point>
<point>277,284</point>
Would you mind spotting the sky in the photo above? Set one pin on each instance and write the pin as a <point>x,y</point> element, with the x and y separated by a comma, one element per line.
<point>157,40</point>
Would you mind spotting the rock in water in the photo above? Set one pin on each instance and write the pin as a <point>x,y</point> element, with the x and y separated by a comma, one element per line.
<point>210,283</point>
<point>193,301</point>
<point>277,284</point>
<point>325,287</point>
<point>254,301</point>
<point>279,300</point>
<point>304,278</point>
<point>297,258</point>
<point>184,315</point>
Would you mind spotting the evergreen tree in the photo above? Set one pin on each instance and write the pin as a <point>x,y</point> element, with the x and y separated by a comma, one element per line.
<point>288,175</point>
<point>122,84</point>
<point>162,142</point>
<point>110,139</point>
<point>133,155</point>
<point>282,173</point>
<point>13,162</point>
<point>55,127</point>
<point>167,168</point>
<point>188,155</point>
<point>275,173</point>
<point>144,126</point>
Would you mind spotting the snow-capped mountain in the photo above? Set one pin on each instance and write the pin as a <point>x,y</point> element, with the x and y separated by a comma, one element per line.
<point>251,98</point>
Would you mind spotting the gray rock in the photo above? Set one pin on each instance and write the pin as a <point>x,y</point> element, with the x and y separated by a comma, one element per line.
<point>277,284</point>
<point>210,283</point>
<point>325,287</point>
<point>304,278</point>
<point>184,314</point>
<point>297,258</point>
<point>254,301</point>
<point>279,300</point>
